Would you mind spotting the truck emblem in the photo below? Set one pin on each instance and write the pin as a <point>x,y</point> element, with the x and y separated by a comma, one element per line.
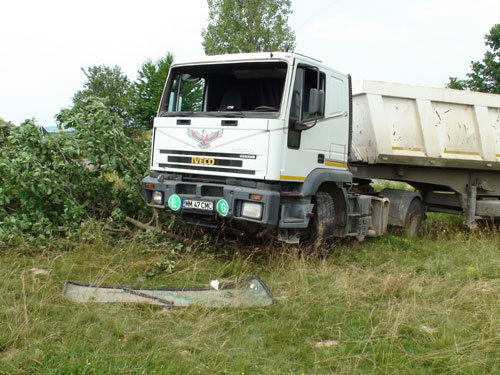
<point>204,139</point>
<point>205,161</point>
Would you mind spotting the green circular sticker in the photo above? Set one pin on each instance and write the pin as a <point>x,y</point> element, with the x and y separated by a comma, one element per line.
<point>174,202</point>
<point>222,207</point>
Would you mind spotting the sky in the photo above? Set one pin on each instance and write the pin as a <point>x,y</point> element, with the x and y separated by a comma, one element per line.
<point>44,44</point>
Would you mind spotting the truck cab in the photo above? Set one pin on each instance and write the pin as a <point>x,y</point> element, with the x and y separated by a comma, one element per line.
<point>249,140</point>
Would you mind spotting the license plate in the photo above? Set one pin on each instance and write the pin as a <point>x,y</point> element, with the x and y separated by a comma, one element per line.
<point>199,205</point>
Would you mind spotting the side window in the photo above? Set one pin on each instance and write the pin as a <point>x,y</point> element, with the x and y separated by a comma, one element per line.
<point>191,94</point>
<point>172,96</point>
<point>186,94</point>
<point>305,79</point>
<point>296,109</point>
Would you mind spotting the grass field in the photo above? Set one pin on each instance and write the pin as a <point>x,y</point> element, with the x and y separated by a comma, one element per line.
<point>391,305</point>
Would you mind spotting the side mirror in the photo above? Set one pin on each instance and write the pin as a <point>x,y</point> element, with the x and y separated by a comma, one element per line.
<point>301,125</point>
<point>316,109</point>
<point>316,102</point>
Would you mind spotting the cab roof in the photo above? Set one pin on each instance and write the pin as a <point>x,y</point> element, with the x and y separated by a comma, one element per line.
<point>244,57</point>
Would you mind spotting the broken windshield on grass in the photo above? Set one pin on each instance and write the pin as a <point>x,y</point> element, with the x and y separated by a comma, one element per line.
<point>249,292</point>
<point>229,90</point>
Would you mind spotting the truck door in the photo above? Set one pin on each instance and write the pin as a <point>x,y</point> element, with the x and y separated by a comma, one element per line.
<point>316,137</point>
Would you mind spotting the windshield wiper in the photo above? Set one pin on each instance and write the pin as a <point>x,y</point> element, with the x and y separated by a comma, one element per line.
<point>265,108</point>
<point>225,114</point>
<point>201,114</point>
<point>186,114</point>
<point>231,114</point>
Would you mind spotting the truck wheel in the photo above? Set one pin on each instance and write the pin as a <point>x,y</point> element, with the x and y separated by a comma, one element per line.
<point>323,221</point>
<point>414,218</point>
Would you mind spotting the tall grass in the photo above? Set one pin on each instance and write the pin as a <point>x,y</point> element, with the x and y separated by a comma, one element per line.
<point>379,185</point>
<point>390,305</point>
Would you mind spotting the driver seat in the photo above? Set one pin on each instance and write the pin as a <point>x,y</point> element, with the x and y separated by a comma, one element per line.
<point>231,99</point>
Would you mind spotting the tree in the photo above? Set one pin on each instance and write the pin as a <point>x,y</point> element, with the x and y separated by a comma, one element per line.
<point>4,129</point>
<point>5,123</point>
<point>485,75</point>
<point>145,92</point>
<point>106,82</point>
<point>236,26</point>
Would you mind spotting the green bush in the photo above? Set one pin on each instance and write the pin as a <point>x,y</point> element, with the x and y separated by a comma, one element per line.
<point>50,184</point>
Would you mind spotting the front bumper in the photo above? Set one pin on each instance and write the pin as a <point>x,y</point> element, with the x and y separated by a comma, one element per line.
<point>234,195</point>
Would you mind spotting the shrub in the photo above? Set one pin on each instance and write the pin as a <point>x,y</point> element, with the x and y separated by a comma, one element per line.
<point>50,184</point>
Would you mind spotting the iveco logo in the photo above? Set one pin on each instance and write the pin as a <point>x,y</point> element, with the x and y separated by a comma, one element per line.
<point>203,161</point>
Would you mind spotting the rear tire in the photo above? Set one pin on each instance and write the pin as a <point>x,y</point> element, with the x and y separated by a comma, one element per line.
<point>414,218</point>
<point>322,225</point>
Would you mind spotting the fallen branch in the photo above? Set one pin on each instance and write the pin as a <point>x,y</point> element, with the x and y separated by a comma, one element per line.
<point>171,236</point>
<point>143,226</point>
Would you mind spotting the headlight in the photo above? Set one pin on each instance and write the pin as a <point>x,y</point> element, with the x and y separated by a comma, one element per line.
<point>157,197</point>
<point>251,210</point>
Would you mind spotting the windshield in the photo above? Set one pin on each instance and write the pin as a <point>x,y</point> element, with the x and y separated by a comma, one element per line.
<point>239,89</point>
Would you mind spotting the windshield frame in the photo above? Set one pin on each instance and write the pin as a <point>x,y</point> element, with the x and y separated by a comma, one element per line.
<point>227,113</point>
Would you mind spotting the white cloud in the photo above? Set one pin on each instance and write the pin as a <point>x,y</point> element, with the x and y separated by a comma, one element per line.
<point>454,14</point>
<point>343,27</point>
<point>420,42</point>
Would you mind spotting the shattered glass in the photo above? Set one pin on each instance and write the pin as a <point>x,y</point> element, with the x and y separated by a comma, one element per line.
<point>245,293</point>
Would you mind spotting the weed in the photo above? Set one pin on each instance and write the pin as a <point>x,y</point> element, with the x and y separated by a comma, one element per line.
<point>166,264</point>
<point>379,185</point>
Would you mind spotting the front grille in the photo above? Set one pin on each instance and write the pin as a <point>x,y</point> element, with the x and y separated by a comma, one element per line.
<point>216,154</point>
<point>207,161</point>
<point>209,169</point>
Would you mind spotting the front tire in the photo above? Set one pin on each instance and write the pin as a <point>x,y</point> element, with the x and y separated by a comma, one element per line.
<point>322,225</point>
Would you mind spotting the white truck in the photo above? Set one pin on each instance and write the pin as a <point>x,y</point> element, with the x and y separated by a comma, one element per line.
<point>279,142</point>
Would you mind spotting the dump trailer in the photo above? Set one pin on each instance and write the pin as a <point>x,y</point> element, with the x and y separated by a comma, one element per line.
<point>280,143</point>
<point>445,143</point>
